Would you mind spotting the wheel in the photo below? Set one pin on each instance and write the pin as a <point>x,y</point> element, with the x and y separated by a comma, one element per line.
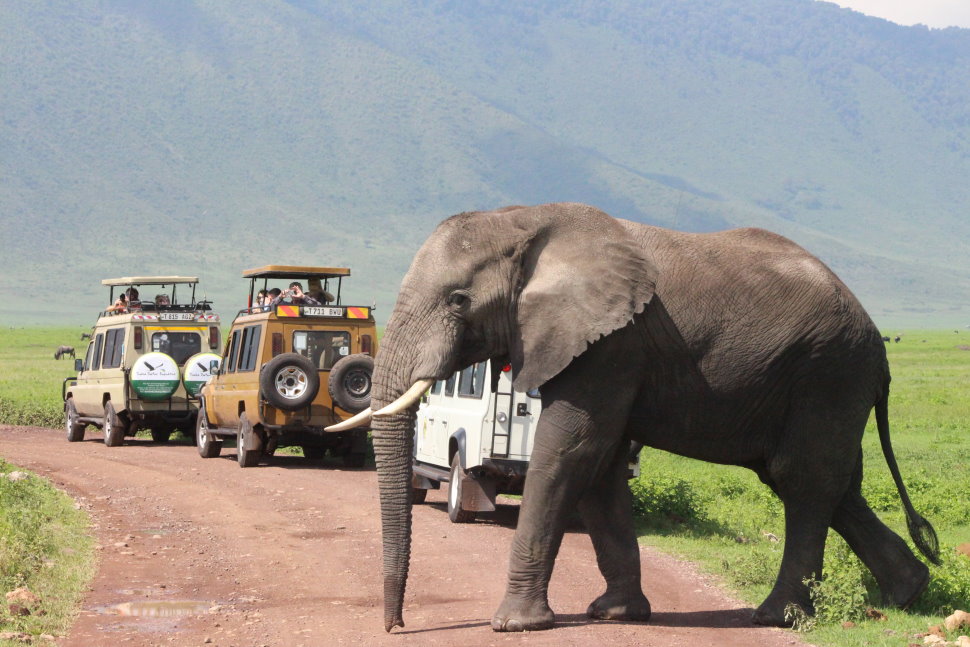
<point>246,457</point>
<point>354,459</point>
<point>456,513</point>
<point>289,381</point>
<point>161,433</point>
<point>114,426</point>
<point>75,429</point>
<point>313,452</point>
<point>350,382</point>
<point>418,495</point>
<point>204,442</point>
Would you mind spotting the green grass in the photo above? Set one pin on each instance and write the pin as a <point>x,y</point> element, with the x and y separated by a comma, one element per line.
<point>30,377</point>
<point>45,547</point>
<point>725,519</point>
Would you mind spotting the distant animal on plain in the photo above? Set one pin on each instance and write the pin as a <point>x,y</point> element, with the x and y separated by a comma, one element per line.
<point>897,339</point>
<point>64,350</point>
<point>85,335</point>
<point>885,338</point>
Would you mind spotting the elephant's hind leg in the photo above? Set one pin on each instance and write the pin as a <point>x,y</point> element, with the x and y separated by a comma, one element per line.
<point>810,471</point>
<point>607,512</point>
<point>900,574</point>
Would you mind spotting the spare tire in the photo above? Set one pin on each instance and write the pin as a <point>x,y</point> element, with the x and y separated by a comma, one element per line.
<point>350,382</point>
<point>289,381</point>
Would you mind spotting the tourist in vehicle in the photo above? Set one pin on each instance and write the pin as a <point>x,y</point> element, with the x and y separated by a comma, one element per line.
<point>162,300</point>
<point>120,304</point>
<point>296,295</point>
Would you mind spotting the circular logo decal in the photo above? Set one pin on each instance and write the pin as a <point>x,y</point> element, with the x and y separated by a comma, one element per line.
<point>155,376</point>
<point>196,372</point>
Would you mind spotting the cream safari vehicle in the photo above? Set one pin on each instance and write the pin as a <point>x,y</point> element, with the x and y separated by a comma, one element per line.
<point>145,362</point>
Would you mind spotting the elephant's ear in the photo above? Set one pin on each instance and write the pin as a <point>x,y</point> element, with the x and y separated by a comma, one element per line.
<point>582,277</point>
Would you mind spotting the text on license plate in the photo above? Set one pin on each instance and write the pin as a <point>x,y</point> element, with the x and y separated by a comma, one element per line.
<point>314,311</point>
<point>177,316</point>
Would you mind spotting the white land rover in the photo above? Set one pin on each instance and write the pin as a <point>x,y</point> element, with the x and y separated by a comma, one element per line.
<point>474,433</point>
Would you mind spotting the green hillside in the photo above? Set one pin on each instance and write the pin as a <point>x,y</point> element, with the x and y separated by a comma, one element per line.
<point>201,137</point>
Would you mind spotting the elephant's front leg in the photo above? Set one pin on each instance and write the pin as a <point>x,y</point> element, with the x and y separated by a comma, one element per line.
<point>570,451</point>
<point>607,511</point>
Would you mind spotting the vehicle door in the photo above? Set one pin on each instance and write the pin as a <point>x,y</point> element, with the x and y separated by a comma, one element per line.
<point>471,411</point>
<point>237,381</point>
<point>514,419</point>
<point>425,446</point>
<point>87,391</point>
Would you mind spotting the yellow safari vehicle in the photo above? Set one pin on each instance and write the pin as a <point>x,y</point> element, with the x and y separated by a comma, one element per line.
<point>149,354</point>
<point>291,367</point>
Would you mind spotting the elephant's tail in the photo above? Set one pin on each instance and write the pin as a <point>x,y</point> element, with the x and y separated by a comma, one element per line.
<point>919,528</point>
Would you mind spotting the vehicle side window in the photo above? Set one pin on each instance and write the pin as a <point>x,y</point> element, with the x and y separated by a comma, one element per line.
<point>471,382</point>
<point>89,356</point>
<point>114,344</point>
<point>450,385</point>
<point>229,366</point>
<point>322,347</point>
<point>436,387</point>
<point>249,348</point>
<point>98,344</point>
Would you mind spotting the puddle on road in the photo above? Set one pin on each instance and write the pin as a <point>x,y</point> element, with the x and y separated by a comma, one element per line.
<point>159,609</point>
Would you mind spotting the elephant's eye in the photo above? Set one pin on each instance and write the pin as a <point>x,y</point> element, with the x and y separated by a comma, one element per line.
<point>458,300</point>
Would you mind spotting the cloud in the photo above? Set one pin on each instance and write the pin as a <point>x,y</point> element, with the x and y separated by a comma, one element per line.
<point>932,13</point>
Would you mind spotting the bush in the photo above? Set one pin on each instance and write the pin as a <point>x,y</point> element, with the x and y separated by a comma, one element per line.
<point>666,498</point>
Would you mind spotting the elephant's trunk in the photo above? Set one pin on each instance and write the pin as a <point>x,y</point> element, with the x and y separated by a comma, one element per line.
<point>393,449</point>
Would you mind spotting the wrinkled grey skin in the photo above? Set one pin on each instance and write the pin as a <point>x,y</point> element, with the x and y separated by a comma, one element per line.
<point>736,347</point>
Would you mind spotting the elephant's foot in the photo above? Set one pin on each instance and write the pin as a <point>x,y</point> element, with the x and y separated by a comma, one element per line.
<point>903,589</point>
<point>516,614</point>
<point>627,606</point>
<point>771,613</point>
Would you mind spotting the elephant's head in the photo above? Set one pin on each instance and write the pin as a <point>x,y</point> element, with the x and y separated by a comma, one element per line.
<point>530,285</point>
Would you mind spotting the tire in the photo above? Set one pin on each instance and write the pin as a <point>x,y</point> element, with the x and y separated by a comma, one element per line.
<point>350,382</point>
<point>114,426</point>
<point>246,457</point>
<point>208,448</point>
<point>75,429</point>
<point>456,513</point>
<point>418,496</point>
<point>289,382</point>
<point>314,452</point>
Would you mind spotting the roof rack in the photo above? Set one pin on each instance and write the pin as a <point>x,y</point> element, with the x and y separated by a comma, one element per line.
<point>150,280</point>
<point>295,272</point>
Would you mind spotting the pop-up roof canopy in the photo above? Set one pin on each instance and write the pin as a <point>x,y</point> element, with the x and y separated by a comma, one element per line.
<point>150,280</point>
<point>295,272</point>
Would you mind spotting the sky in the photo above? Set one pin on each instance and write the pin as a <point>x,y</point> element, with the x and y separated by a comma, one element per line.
<point>932,13</point>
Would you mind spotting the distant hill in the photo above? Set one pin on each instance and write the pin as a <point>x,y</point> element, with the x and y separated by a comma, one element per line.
<point>205,138</point>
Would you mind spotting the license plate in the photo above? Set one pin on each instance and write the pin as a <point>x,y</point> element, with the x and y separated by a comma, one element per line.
<point>315,311</point>
<point>177,316</point>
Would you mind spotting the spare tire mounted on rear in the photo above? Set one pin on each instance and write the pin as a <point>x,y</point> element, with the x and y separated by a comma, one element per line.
<point>350,382</point>
<point>289,381</point>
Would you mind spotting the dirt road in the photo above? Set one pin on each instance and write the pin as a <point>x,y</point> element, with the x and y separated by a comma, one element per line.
<point>202,552</point>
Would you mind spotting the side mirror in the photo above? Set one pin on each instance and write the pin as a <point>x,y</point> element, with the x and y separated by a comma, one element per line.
<point>214,366</point>
<point>78,365</point>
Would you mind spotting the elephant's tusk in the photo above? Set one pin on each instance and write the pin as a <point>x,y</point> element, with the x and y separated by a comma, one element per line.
<point>413,394</point>
<point>416,391</point>
<point>358,420</point>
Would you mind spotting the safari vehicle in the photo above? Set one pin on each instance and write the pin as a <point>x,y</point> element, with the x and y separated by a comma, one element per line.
<point>145,363</point>
<point>290,370</point>
<point>475,433</point>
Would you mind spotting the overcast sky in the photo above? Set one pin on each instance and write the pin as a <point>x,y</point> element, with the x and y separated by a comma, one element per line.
<point>932,13</point>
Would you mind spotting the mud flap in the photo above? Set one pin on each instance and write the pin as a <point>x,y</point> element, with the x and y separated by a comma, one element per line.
<point>419,482</point>
<point>252,440</point>
<point>478,495</point>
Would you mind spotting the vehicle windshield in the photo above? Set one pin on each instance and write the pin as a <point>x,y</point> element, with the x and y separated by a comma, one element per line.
<point>322,347</point>
<point>180,345</point>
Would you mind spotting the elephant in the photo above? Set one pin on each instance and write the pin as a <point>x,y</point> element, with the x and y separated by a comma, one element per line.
<point>737,347</point>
